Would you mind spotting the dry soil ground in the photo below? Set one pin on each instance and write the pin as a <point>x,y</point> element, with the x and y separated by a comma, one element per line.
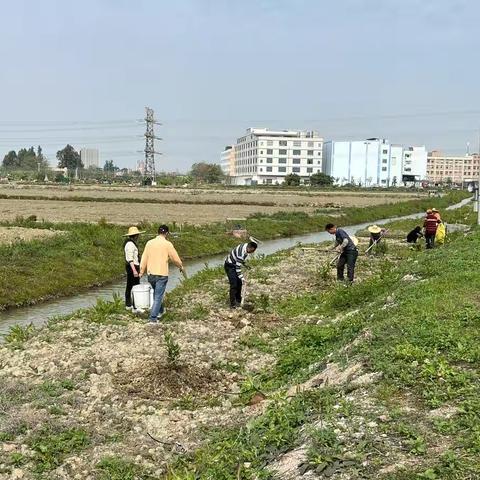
<point>19,234</point>
<point>207,204</point>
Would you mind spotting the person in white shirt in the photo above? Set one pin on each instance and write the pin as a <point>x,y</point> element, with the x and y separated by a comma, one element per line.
<point>132,264</point>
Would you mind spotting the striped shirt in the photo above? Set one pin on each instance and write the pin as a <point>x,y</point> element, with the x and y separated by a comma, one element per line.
<point>431,223</point>
<point>237,258</point>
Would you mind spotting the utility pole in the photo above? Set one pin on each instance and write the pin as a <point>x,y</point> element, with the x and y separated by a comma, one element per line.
<point>150,145</point>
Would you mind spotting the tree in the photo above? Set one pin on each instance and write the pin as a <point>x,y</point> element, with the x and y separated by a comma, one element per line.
<point>26,159</point>
<point>110,166</point>
<point>320,179</point>
<point>207,172</point>
<point>292,180</point>
<point>10,160</point>
<point>69,158</point>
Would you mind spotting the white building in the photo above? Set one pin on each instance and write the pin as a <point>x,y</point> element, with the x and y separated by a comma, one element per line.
<point>264,156</point>
<point>374,162</point>
<point>89,157</point>
<point>227,161</point>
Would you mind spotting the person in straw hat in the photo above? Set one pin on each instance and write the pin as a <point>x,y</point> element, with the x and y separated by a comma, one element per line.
<point>132,263</point>
<point>346,246</point>
<point>376,233</point>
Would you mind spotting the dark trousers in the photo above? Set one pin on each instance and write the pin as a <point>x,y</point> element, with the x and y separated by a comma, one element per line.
<point>348,257</point>
<point>430,239</point>
<point>131,281</point>
<point>235,284</point>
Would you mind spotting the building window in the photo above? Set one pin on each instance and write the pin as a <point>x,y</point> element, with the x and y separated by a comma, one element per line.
<point>296,169</point>
<point>296,143</point>
<point>310,144</point>
<point>309,161</point>
<point>282,169</point>
<point>261,169</point>
<point>282,143</point>
<point>269,169</point>
<point>296,152</point>
<point>310,152</point>
<point>269,160</point>
<point>282,160</point>
<point>310,170</point>
<point>385,152</point>
<point>269,151</point>
<point>282,152</point>
<point>296,161</point>
<point>384,160</point>
<point>319,153</point>
<point>384,169</point>
<point>269,143</point>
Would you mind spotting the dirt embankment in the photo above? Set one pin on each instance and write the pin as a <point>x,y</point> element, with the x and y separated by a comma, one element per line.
<point>9,235</point>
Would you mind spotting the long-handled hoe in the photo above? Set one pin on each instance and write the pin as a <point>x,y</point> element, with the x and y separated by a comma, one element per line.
<point>244,289</point>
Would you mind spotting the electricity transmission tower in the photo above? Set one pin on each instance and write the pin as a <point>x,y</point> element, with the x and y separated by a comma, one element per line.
<point>150,145</point>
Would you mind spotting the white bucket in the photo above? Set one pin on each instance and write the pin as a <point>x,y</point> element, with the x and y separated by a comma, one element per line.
<point>142,296</point>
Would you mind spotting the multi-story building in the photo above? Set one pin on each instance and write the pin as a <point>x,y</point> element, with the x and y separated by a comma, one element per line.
<point>89,157</point>
<point>374,162</point>
<point>264,156</point>
<point>227,161</point>
<point>450,168</point>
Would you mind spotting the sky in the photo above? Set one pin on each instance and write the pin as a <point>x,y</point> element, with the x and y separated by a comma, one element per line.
<point>83,72</point>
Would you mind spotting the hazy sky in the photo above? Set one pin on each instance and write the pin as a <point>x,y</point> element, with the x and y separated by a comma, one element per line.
<point>82,72</point>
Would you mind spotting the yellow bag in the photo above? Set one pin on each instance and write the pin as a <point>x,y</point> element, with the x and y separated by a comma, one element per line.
<point>440,235</point>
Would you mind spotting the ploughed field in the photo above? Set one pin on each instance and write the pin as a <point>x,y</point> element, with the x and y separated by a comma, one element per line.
<point>194,206</point>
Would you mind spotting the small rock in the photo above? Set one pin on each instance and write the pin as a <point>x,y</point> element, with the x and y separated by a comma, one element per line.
<point>17,474</point>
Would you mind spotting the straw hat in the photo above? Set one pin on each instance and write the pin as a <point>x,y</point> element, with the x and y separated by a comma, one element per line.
<point>434,210</point>
<point>429,210</point>
<point>374,229</point>
<point>133,231</point>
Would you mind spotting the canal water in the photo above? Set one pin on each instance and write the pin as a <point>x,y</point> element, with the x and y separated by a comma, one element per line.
<point>39,314</point>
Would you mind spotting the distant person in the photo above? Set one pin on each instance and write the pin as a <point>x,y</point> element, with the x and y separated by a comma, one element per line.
<point>414,235</point>
<point>430,224</point>
<point>437,214</point>
<point>132,263</point>
<point>155,259</point>
<point>376,233</point>
<point>347,249</point>
<point>233,268</point>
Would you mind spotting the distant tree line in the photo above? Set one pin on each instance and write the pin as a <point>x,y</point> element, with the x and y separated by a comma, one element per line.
<point>25,159</point>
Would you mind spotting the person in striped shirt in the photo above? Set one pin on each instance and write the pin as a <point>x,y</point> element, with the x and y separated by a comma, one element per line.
<point>233,268</point>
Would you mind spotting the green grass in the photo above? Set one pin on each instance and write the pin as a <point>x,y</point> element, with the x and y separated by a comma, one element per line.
<point>51,447</point>
<point>116,468</point>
